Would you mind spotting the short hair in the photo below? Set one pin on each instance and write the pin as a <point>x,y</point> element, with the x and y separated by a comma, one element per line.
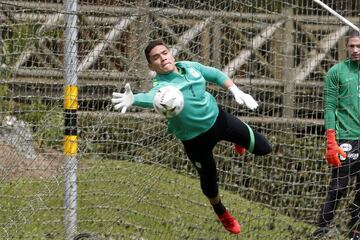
<point>151,45</point>
<point>353,33</point>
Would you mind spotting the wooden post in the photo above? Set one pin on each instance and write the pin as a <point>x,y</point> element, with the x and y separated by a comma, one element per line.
<point>342,54</point>
<point>288,67</point>
<point>142,32</point>
<point>205,46</point>
<point>277,58</point>
<point>216,44</point>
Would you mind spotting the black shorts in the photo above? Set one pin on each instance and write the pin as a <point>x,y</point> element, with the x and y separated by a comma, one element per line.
<point>228,128</point>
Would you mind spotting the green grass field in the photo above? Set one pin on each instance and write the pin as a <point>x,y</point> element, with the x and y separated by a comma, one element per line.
<point>126,200</point>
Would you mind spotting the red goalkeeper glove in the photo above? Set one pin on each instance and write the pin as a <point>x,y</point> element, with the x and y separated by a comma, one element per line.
<point>332,149</point>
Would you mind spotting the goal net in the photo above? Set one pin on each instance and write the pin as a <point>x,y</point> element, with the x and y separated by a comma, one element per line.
<point>134,179</point>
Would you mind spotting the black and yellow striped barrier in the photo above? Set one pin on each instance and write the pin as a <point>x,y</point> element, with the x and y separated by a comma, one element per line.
<point>70,115</point>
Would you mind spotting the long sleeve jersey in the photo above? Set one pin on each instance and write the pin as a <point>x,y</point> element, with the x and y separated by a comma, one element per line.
<point>200,108</point>
<point>342,100</point>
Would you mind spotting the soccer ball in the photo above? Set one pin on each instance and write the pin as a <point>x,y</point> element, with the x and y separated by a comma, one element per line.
<point>168,101</point>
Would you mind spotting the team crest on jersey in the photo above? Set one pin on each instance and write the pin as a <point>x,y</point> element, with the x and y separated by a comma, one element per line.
<point>353,156</point>
<point>194,73</point>
<point>346,147</point>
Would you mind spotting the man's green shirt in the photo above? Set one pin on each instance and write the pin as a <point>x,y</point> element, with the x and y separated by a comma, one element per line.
<point>342,100</point>
<point>200,108</point>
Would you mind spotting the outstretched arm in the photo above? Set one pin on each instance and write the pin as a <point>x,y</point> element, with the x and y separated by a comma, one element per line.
<point>240,96</point>
<point>123,100</point>
<point>218,77</point>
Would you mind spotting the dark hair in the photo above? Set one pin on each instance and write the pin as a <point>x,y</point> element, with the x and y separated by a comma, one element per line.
<point>150,46</point>
<point>353,33</point>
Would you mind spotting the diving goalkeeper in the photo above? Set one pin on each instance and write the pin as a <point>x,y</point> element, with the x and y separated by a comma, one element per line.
<point>201,124</point>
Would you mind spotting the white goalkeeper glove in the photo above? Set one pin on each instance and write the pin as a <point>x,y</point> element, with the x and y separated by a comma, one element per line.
<point>123,100</point>
<point>241,97</point>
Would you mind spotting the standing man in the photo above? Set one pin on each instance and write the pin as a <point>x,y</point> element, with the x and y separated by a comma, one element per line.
<point>201,124</point>
<point>342,124</point>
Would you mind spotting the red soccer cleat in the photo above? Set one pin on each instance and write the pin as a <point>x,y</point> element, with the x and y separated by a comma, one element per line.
<point>239,149</point>
<point>229,222</point>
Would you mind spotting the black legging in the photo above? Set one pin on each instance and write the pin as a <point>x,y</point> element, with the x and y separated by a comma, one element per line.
<point>228,128</point>
<point>339,184</point>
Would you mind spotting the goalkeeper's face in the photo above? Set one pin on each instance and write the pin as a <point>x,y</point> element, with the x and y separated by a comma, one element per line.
<point>161,60</point>
<point>354,48</point>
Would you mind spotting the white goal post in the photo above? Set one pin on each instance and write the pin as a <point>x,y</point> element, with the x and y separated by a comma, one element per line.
<point>333,12</point>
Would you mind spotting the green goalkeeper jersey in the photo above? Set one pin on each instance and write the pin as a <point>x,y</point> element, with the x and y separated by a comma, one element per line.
<point>342,100</point>
<point>200,108</point>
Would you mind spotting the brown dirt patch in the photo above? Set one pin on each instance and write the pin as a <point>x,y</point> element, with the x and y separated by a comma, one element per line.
<point>48,163</point>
